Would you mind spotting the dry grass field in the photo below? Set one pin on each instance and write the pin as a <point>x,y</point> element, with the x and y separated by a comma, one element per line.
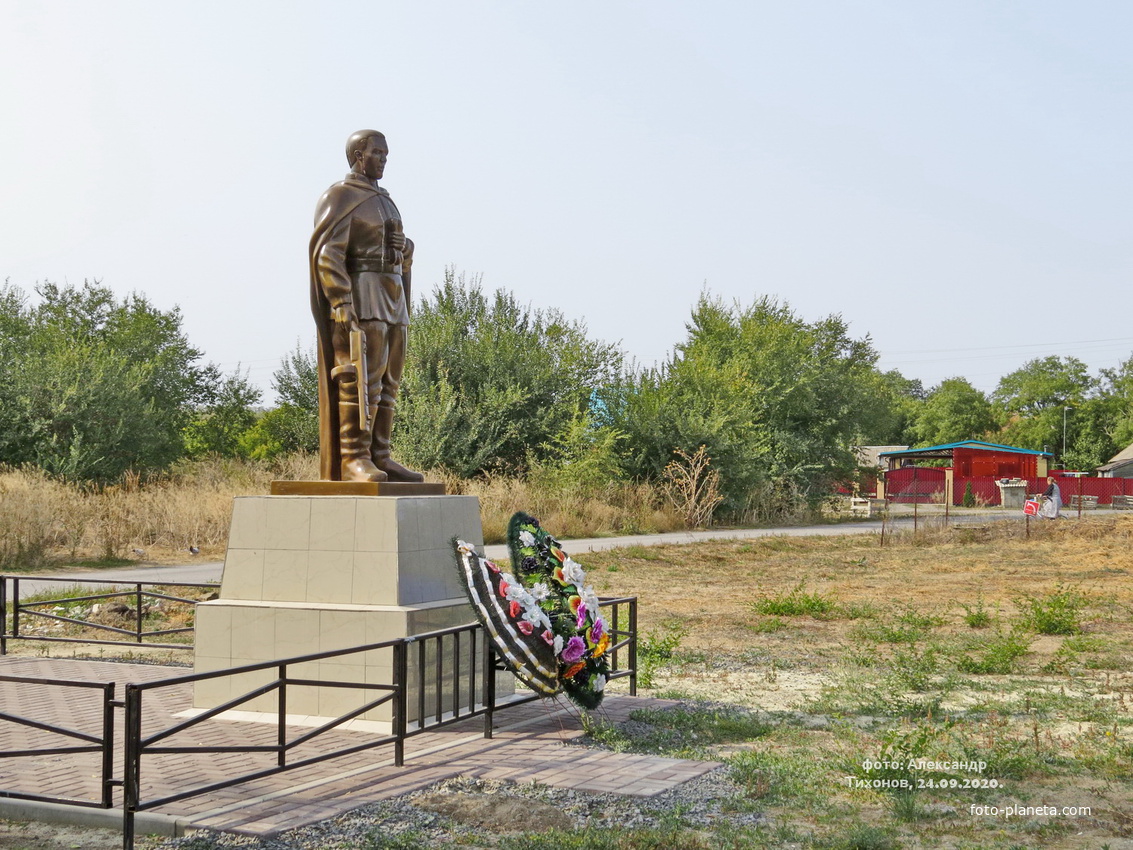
<point>45,522</point>
<point>961,688</point>
<point>961,647</point>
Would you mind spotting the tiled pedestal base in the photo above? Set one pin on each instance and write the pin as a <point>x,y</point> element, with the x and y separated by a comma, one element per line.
<point>308,574</point>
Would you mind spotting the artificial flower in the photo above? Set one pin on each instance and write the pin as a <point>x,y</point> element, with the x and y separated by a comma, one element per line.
<point>597,630</point>
<point>589,597</point>
<point>549,637</point>
<point>536,616</point>
<point>540,591</point>
<point>513,609</point>
<point>573,670</point>
<point>581,622</point>
<point>526,539</point>
<point>558,644</point>
<point>599,683</point>
<point>573,572</point>
<point>574,650</point>
<point>491,566</point>
<point>602,646</point>
<point>524,626</point>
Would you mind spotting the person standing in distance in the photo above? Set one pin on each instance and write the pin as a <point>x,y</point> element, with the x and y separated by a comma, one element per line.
<point>360,290</point>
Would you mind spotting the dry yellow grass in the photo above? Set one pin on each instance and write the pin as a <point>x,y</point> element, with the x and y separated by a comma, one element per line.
<point>44,521</point>
<point>710,587</point>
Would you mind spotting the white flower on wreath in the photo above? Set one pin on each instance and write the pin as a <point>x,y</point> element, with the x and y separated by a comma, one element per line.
<point>599,683</point>
<point>526,538</point>
<point>536,616</point>
<point>518,593</point>
<point>558,645</point>
<point>540,591</point>
<point>589,599</point>
<point>573,572</point>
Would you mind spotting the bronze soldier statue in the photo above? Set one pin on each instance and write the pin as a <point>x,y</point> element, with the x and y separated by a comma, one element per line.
<point>360,278</point>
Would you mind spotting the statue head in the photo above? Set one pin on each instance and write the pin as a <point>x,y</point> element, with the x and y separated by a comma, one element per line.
<point>366,151</point>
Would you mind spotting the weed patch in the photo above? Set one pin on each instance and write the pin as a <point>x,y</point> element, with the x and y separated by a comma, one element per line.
<point>1057,612</point>
<point>680,731</point>
<point>655,649</point>
<point>997,654</point>
<point>797,602</point>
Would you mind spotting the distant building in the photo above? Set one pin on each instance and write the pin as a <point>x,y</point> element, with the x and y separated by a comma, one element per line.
<point>869,457</point>
<point>972,458</point>
<point>956,467</point>
<point>1119,466</point>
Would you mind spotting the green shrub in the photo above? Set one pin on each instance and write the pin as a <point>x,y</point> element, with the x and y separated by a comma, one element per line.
<point>969,500</point>
<point>995,655</point>
<point>796,603</point>
<point>655,648</point>
<point>976,616</point>
<point>1055,613</point>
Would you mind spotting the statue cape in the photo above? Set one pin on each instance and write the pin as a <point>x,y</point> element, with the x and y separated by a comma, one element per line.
<point>339,201</point>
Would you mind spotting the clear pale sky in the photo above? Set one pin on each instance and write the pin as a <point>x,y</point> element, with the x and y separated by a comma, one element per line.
<point>953,178</point>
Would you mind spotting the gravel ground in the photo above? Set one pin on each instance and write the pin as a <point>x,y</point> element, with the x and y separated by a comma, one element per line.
<point>700,802</point>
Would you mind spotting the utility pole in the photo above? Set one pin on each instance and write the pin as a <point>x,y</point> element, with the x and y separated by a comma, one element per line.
<point>1064,409</point>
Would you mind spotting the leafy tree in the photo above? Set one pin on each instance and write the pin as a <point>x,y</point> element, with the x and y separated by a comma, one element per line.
<point>281,430</point>
<point>896,404</point>
<point>221,425</point>
<point>294,425</point>
<point>776,401</point>
<point>954,411</point>
<point>296,381</point>
<point>491,383</point>
<point>1030,401</point>
<point>94,386</point>
<point>1117,391</point>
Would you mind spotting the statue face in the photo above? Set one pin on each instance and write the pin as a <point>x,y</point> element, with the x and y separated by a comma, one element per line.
<point>373,161</point>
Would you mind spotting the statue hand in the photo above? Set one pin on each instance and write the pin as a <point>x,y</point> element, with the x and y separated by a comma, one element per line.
<point>396,240</point>
<point>344,317</point>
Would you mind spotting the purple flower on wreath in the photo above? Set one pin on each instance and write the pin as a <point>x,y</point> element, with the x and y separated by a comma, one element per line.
<point>597,630</point>
<point>582,616</point>
<point>574,650</point>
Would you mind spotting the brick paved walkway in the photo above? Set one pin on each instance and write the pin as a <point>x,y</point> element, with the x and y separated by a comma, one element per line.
<point>530,744</point>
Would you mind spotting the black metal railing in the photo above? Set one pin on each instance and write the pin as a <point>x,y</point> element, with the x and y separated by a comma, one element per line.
<point>139,593</point>
<point>623,635</point>
<point>437,678</point>
<point>102,743</point>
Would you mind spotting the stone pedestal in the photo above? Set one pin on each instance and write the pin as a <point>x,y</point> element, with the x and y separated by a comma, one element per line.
<point>308,574</point>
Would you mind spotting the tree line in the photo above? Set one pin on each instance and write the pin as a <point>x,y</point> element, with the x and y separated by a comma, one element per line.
<point>92,385</point>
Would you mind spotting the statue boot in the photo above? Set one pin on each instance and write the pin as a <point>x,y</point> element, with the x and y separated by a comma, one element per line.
<point>383,429</point>
<point>354,443</point>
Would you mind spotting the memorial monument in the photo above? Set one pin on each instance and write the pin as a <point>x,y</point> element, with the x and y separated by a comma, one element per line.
<point>364,555</point>
<point>361,270</point>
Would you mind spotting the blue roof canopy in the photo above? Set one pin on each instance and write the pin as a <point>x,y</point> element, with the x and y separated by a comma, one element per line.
<point>946,449</point>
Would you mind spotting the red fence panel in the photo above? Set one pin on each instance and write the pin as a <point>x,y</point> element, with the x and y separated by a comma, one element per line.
<point>923,484</point>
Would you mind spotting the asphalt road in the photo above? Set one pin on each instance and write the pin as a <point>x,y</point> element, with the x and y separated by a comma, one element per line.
<point>207,571</point>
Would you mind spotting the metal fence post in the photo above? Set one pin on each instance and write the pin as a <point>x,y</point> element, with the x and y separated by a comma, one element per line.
<point>131,784</point>
<point>15,607</point>
<point>108,745</point>
<point>138,616</point>
<point>633,647</point>
<point>489,686</point>
<point>281,731</point>
<point>401,701</point>
<point>3,615</point>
